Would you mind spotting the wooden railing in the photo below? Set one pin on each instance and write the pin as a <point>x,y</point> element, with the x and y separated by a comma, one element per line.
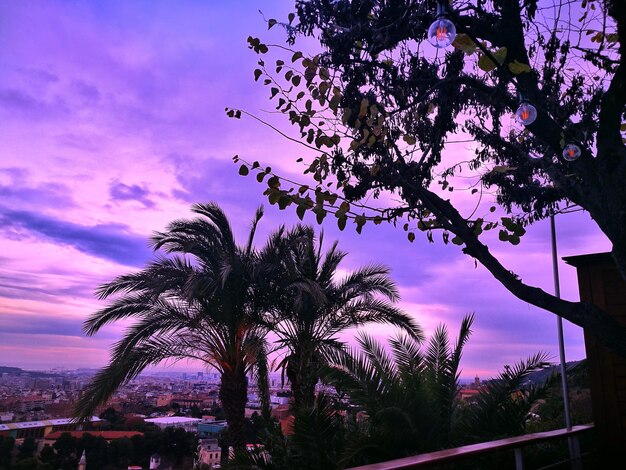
<point>459,453</point>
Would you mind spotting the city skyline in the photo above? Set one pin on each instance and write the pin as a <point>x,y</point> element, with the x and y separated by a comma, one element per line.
<point>114,124</point>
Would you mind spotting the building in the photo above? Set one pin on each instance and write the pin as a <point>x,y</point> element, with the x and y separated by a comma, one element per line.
<point>188,424</point>
<point>39,429</point>
<point>186,402</point>
<point>210,428</point>
<point>209,453</point>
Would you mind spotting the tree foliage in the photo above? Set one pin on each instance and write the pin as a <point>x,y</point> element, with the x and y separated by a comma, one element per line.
<point>403,400</point>
<point>315,307</point>
<point>407,398</point>
<point>384,113</point>
<point>201,299</point>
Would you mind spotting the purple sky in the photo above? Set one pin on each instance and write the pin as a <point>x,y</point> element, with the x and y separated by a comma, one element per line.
<point>113,124</point>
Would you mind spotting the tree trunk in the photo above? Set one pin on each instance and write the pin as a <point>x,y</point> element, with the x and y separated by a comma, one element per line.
<point>233,396</point>
<point>303,373</point>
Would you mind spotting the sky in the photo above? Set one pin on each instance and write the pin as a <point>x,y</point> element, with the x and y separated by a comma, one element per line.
<point>112,124</point>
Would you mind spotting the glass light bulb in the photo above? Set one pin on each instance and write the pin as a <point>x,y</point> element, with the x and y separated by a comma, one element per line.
<point>571,152</point>
<point>526,114</point>
<point>442,32</point>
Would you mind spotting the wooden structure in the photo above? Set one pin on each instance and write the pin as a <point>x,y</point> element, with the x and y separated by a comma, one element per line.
<point>600,283</point>
<point>452,456</point>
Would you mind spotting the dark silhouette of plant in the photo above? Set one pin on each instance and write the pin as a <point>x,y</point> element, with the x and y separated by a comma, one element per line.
<point>7,445</point>
<point>406,399</point>
<point>316,307</point>
<point>317,442</point>
<point>382,110</point>
<point>503,407</point>
<point>203,299</point>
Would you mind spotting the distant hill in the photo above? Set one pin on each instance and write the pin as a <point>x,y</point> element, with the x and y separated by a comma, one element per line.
<point>576,375</point>
<point>540,377</point>
<point>30,373</point>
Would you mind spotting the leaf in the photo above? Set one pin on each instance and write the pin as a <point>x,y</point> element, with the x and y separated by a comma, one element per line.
<point>464,43</point>
<point>300,211</point>
<point>309,74</point>
<point>341,222</point>
<point>457,240</point>
<point>273,182</point>
<point>502,169</point>
<point>485,63</point>
<point>411,237</point>
<point>409,139</point>
<point>364,106</point>
<point>243,170</point>
<point>257,74</point>
<point>360,222</point>
<point>517,67</point>
<point>320,214</point>
<point>284,201</point>
<point>271,22</point>
<point>297,55</point>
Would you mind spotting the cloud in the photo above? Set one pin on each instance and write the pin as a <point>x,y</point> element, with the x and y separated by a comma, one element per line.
<point>124,192</point>
<point>38,76</point>
<point>22,192</point>
<point>18,102</point>
<point>88,93</point>
<point>108,241</point>
<point>40,325</point>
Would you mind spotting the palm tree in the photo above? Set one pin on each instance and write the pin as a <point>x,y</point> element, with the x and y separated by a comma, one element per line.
<point>316,307</point>
<point>504,406</point>
<point>407,398</point>
<point>203,299</point>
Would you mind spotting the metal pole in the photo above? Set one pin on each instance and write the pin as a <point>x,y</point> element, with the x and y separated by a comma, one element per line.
<point>573,453</point>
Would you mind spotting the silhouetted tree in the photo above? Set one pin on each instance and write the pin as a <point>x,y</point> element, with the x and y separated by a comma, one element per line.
<point>316,307</point>
<point>202,299</point>
<point>382,109</point>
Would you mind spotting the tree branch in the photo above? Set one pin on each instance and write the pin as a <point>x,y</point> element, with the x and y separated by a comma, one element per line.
<point>585,315</point>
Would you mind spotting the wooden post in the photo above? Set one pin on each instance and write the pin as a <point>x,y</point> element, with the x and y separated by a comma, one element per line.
<point>600,283</point>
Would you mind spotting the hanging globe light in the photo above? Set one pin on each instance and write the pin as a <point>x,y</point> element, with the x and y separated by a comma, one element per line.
<point>526,113</point>
<point>442,32</point>
<point>571,152</point>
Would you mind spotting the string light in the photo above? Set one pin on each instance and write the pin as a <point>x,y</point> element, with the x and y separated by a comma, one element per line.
<point>442,32</point>
<point>571,152</point>
<point>526,113</point>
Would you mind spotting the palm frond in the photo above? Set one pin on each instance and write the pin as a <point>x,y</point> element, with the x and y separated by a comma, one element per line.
<point>503,405</point>
<point>123,369</point>
<point>253,226</point>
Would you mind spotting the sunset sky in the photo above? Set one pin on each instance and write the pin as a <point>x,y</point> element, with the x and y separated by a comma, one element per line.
<point>112,124</point>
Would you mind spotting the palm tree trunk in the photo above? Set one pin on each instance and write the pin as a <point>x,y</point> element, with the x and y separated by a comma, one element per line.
<point>302,375</point>
<point>233,396</point>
